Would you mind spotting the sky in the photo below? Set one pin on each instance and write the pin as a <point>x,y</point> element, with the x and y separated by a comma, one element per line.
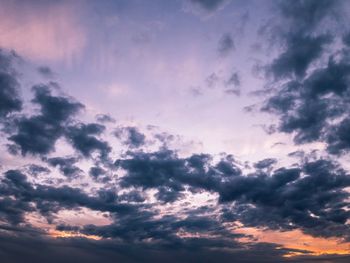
<point>174,130</point>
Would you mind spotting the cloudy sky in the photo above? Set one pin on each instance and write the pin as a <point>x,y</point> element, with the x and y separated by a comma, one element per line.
<point>174,130</point>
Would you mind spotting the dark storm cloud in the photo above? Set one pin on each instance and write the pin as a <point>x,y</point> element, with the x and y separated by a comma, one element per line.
<point>133,196</point>
<point>25,248</point>
<point>38,134</point>
<point>96,172</point>
<point>68,197</point>
<point>315,202</point>
<point>309,120</point>
<point>83,139</point>
<point>133,225</point>
<point>306,108</point>
<point>54,107</point>
<point>9,86</point>
<point>310,87</point>
<point>346,39</point>
<point>305,16</point>
<point>34,169</point>
<point>338,138</point>
<point>311,197</point>
<point>48,200</point>
<point>299,32</point>
<point>14,209</point>
<point>152,171</point>
<point>299,53</point>
<point>143,228</point>
<point>165,169</point>
<point>99,174</point>
<point>130,136</point>
<point>166,172</point>
<point>66,166</point>
<point>226,45</point>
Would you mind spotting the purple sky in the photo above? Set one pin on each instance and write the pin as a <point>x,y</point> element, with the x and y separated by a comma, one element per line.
<point>137,130</point>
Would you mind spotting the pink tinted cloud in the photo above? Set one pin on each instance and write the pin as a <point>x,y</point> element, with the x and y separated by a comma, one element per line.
<point>48,33</point>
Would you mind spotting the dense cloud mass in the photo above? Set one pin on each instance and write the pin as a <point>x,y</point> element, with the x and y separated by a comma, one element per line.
<point>311,83</point>
<point>66,165</point>
<point>83,139</point>
<point>38,134</point>
<point>282,199</point>
<point>73,189</point>
<point>131,136</point>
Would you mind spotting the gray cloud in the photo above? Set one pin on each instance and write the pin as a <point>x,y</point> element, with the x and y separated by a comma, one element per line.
<point>9,86</point>
<point>130,136</point>
<point>226,45</point>
<point>310,86</point>
<point>38,134</point>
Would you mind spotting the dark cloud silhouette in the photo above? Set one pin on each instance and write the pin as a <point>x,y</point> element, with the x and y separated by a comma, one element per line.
<point>25,248</point>
<point>46,199</point>
<point>84,140</point>
<point>338,138</point>
<point>38,134</point>
<point>299,53</point>
<point>100,174</point>
<point>9,85</point>
<point>130,136</point>
<point>305,16</point>
<point>166,172</point>
<point>346,39</point>
<point>66,166</point>
<point>96,172</point>
<point>310,84</point>
<point>295,200</point>
<point>13,210</point>
<point>307,107</point>
<point>285,200</point>
<point>310,197</point>
<point>35,169</point>
<point>133,196</point>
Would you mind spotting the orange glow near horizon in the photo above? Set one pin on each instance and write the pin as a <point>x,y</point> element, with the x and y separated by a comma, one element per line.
<point>66,234</point>
<point>295,239</point>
